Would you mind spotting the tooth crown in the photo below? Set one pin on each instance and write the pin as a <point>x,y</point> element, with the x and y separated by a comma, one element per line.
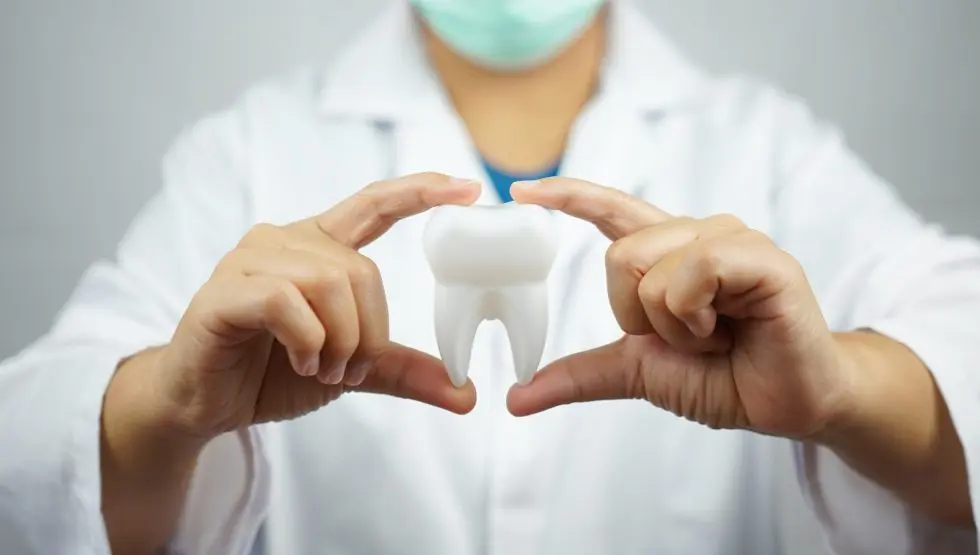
<point>491,263</point>
<point>491,246</point>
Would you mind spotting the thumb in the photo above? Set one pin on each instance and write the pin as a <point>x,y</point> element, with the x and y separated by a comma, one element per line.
<point>407,373</point>
<point>601,374</point>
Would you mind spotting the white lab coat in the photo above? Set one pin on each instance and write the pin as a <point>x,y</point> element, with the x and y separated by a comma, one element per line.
<point>371,474</point>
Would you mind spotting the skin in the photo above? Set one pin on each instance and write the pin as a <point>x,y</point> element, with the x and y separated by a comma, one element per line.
<point>720,326</point>
<point>291,319</point>
<point>520,121</point>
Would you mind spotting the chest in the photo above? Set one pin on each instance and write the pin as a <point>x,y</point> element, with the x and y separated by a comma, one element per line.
<point>375,474</point>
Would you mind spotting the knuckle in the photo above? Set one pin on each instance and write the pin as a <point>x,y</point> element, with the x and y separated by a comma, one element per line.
<point>330,277</point>
<point>617,196</point>
<point>232,261</point>
<point>756,236</point>
<point>705,259</point>
<point>204,304</point>
<point>374,187</point>
<point>364,271</point>
<point>278,298</point>
<point>326,280</point>
<point>619,254</point>
<point>682,229</point>
<point>791,266</point>
<point>726,221</point>
<point>260,234</point>
<point>321,273</point>
<point>652,290</point>
<point>368,198</point>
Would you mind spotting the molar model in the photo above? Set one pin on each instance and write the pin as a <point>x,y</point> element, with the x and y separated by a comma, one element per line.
<point>491,263</point>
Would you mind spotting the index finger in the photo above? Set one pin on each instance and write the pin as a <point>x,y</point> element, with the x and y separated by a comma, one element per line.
<point>614,212</point>
<point>369,213</point>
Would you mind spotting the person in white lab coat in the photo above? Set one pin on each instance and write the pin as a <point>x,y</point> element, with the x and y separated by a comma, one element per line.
<point>756,287</point>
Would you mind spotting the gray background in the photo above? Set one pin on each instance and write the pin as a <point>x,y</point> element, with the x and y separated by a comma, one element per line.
<point>92,93</point>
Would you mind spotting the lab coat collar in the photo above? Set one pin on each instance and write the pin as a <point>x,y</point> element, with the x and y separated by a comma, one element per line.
<point>385,75</point>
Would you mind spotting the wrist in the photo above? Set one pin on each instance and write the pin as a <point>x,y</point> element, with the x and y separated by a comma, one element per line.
<point>139,426</point>
<point>146,465</point>
<point>895,428</point>
<point>888,399</point>
<point>854,390</point>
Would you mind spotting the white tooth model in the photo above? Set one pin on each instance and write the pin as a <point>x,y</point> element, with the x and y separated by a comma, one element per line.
<point>491,263</point>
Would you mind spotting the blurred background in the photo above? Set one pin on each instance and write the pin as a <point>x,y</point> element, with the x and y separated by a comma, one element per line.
<point>92,93</point>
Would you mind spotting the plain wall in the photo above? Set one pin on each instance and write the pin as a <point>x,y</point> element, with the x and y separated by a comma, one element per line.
<point>92,93</point>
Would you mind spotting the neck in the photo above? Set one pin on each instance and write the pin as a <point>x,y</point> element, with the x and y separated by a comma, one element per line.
<point>520,121</point>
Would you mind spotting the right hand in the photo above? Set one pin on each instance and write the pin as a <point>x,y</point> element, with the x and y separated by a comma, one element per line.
<point>294,316</point>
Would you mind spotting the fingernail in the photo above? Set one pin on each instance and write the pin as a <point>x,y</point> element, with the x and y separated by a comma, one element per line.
<point>336,373</point>
<point>702,322</point>
<point>462,182</point>
<point>304,366</point>
<point>525,184</point>
<point>312,366</point>
<point>357,374</point>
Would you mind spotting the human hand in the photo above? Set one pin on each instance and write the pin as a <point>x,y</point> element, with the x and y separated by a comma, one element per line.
<point>722,327</point>
<point>294,316</point>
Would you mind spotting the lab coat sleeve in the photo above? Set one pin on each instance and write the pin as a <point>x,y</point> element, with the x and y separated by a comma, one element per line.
<point>51,393</point>
<point>875,264</point>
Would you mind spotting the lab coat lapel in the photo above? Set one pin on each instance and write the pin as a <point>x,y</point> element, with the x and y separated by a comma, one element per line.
<point>600,150</point>
<point>385,77</point>
<point>643,81</point>
<point>439,145</point>
<point>601,146</point>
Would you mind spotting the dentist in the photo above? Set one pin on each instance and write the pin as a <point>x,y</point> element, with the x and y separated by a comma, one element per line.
<point>732,284</point>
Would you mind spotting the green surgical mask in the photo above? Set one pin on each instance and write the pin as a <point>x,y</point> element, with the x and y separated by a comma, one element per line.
<point>507,34</point>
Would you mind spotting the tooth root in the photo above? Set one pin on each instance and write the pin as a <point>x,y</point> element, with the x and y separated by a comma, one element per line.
<point>525,316</point>
<point>457,318</point>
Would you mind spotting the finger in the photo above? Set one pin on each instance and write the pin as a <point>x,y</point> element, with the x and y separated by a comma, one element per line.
<point>599,374</point>
<point>629,259</point>
<point>666,324</point>
<point>410,374</point>
<point>366,215</point>
<point>372,314</point>
<point>340,320</point>
<point>741,276</point>
<point>325,284</point>
<point>364,277</point>
<point>614,212</point>
<point>261,303</point>
<point>371,321</point>
<point>690,295</point>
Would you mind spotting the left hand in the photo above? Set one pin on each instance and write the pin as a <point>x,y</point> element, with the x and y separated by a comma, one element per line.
<point>722,327</point>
